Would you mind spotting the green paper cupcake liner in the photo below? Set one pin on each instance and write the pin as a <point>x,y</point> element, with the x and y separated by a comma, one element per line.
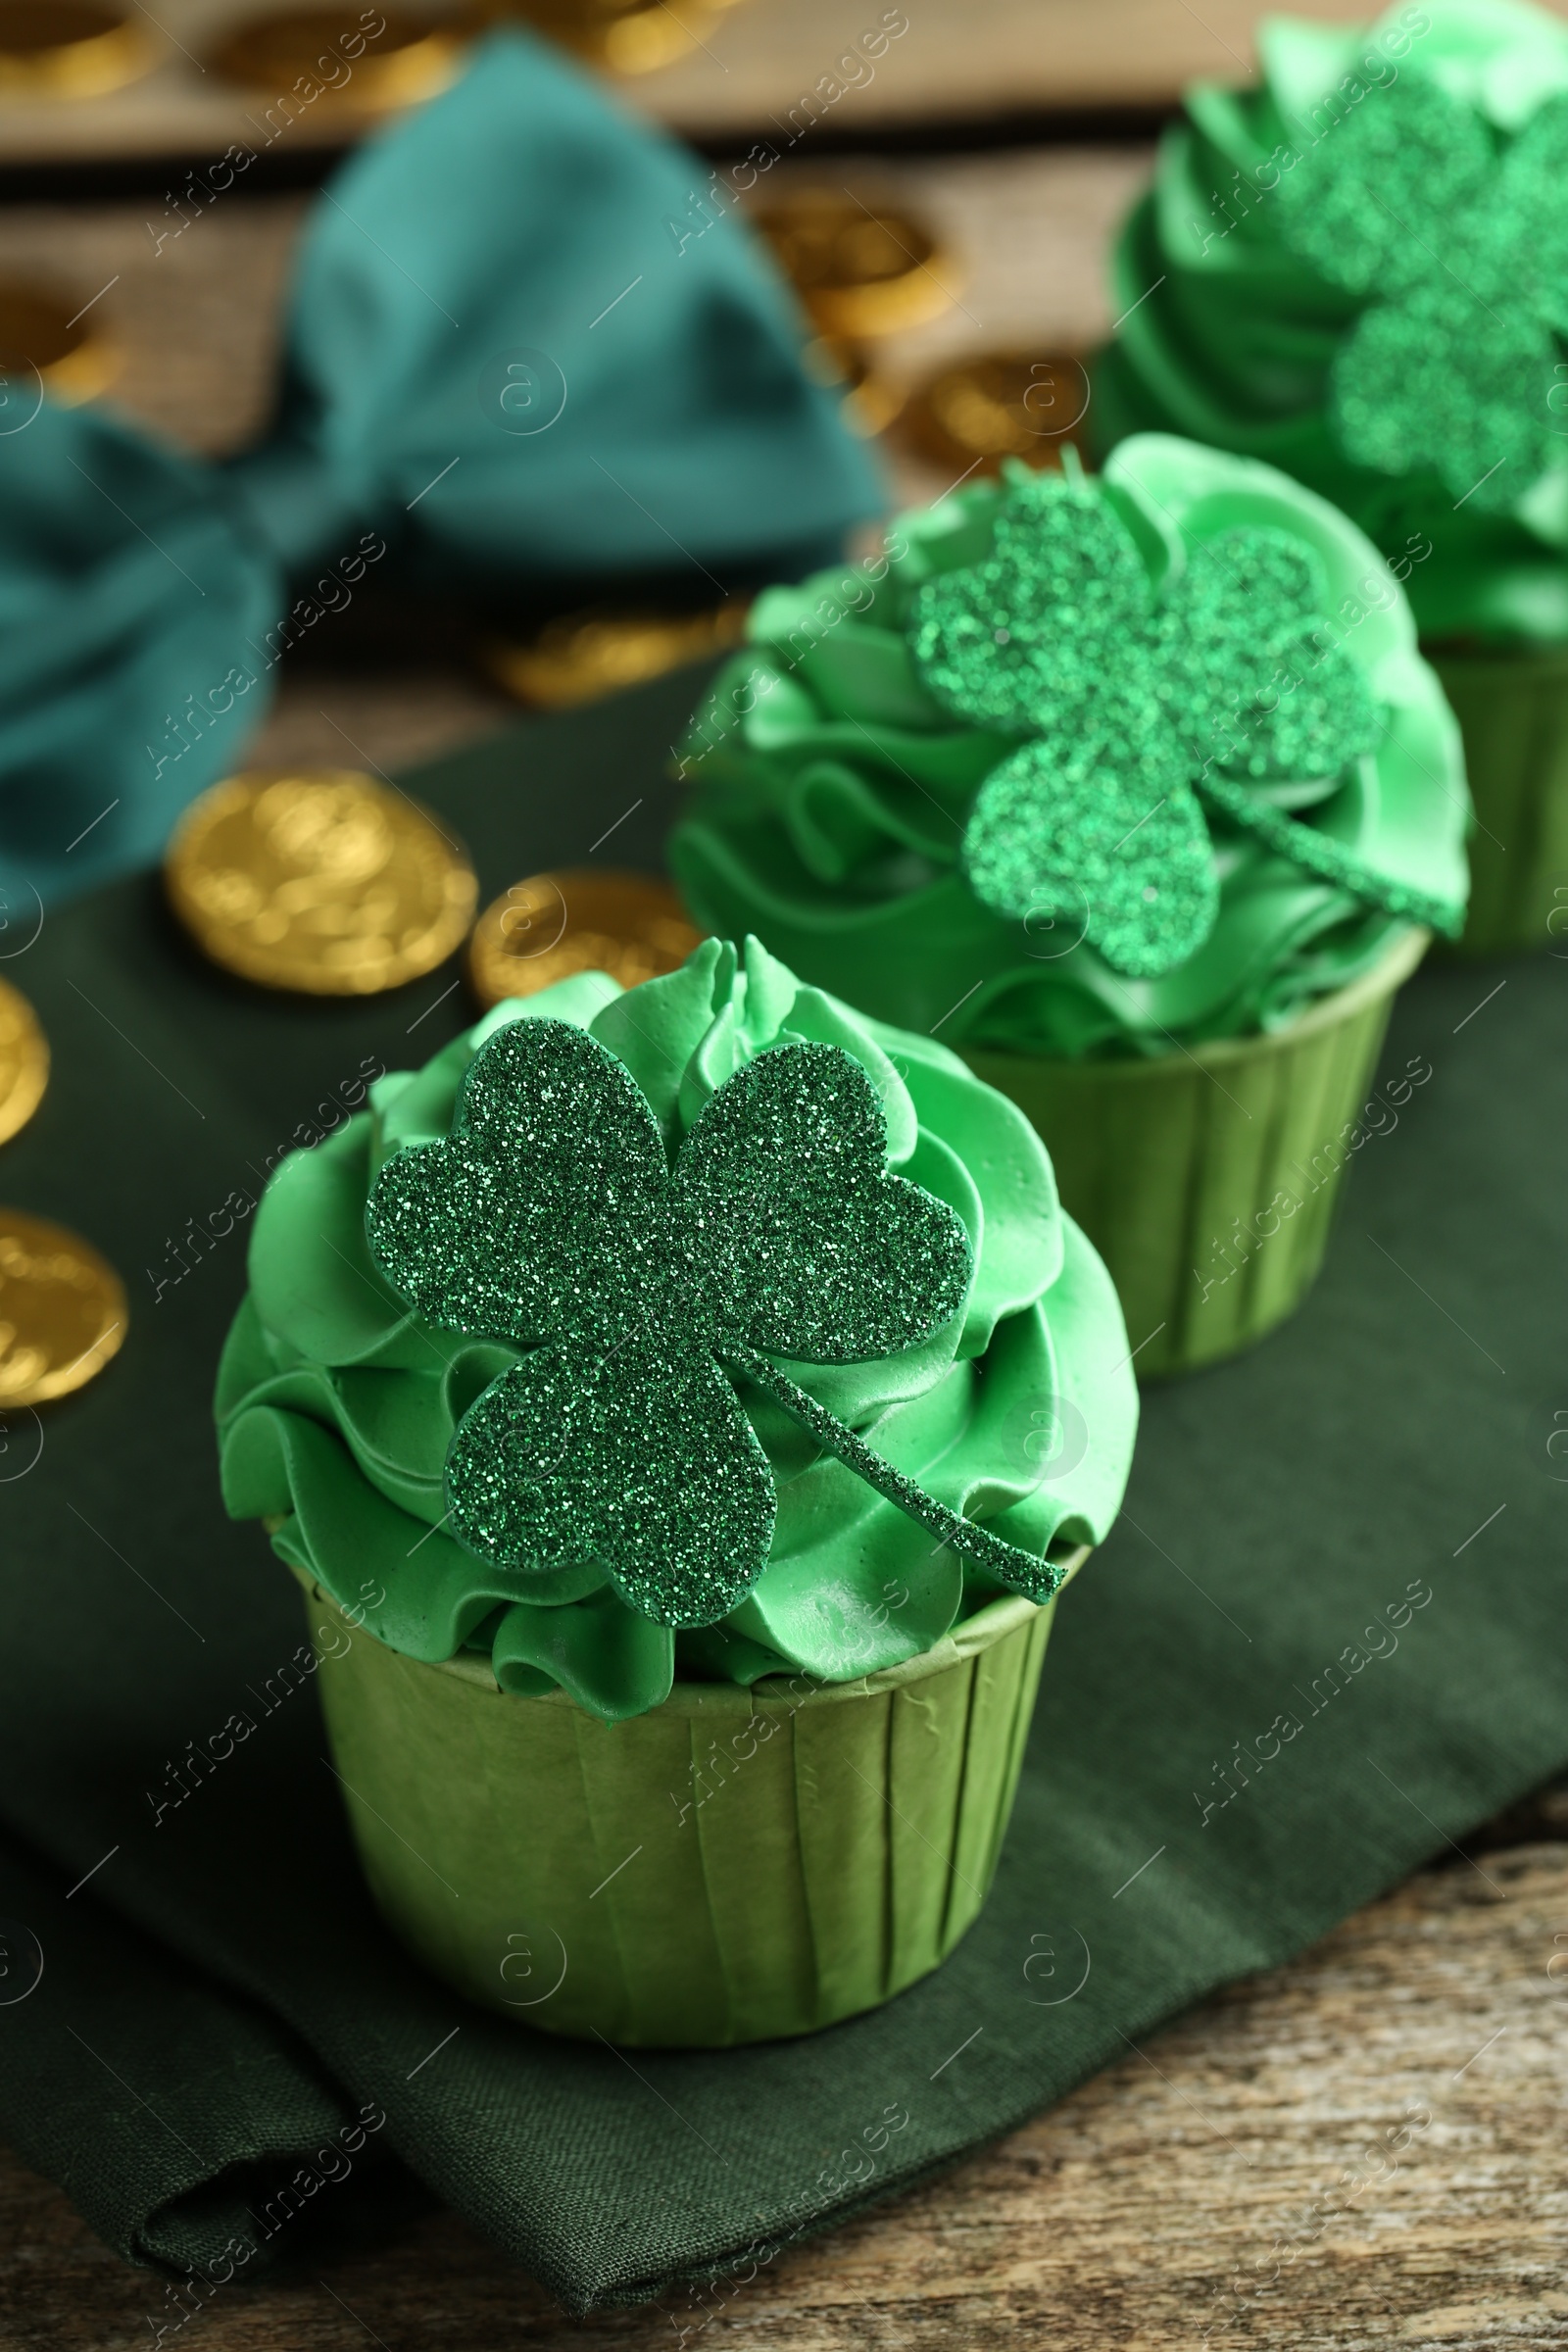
<point>1206,1179</point>
<point>735,1866</point>
<point>1512,711</point>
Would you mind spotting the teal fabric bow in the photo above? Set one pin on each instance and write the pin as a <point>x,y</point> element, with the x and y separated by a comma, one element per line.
<point>502,367</point>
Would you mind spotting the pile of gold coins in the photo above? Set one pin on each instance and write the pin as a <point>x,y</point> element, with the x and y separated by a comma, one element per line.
<point>327,883</point>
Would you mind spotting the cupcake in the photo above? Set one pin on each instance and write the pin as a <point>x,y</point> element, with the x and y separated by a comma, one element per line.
<point>1136,791</point>
<point>1357,272</point>
<point>682,1407</point>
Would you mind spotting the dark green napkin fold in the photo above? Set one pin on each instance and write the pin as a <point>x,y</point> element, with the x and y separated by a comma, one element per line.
<point>223,2164</point>
<point>1301,1543</point>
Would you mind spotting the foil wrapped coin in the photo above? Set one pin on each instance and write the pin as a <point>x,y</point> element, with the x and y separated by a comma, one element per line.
<point>623,36</point>
<point>69,49</point>
<point>412,57</point>
<point>869,399</point>
<point>579,919</point>
<point>44,335</point>
<point>61,1310</point>
<point>585,655</point>
<point>859,268</point>
<point>321,880</point>
<point>999,403</point>
<point>23,1060</point>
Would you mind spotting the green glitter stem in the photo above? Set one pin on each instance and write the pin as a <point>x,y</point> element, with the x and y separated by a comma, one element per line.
<point>1037,1579</point>
<point>1329,860</point>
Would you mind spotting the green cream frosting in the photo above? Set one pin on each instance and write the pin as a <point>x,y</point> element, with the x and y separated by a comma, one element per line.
<point>1358,271</point>
<point>833,785</point>
<point>336,1403</point>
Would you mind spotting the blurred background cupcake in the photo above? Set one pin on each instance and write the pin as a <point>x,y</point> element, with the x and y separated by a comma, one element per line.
<point>1357,271</point>
<point>1135,790</point>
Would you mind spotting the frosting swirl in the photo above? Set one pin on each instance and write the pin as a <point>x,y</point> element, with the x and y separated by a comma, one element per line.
<point>831,787</point>
<point>336,1403</point>
<point>1357,272</point>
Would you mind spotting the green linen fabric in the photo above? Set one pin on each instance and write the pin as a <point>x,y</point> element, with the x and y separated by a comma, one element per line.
<point>1355,1531</point>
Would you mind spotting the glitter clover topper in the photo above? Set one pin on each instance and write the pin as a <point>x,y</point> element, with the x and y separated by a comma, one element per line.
<point>1460,248</point>
<point>550,1218</point>
<point>1225,683</point>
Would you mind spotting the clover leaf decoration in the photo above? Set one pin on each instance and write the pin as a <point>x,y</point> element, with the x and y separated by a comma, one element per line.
<point>1459,248</point>
<point>1135,707</point>
<point>639,1291</point>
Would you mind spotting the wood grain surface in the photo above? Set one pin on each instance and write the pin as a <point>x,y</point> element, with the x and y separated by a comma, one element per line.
<point>1364,2148</point>
<point>748,70</point>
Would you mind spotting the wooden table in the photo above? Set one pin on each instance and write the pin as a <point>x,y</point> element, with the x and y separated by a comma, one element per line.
<point>753,70</point>
<point>1217,2188</point>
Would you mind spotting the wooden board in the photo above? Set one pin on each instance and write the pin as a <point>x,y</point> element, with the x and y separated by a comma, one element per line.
<point>756,69</point>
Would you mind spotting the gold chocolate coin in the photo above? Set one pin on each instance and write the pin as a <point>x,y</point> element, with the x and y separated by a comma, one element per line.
<point>627,37</point>
<point>411,56</point>
<point>629,925</point>
<point>859,268</point>
<point>69,49</point>
<point>61,1310</point>
<point>319,879</point>
<point>586,655</point>
<point>867,400</point>
<point>23,1060</point>
<point>1001,404</point>
<point>43,332</point>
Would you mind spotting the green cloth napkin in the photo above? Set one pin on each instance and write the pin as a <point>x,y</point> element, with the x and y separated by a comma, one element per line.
<point>1357,1529</point>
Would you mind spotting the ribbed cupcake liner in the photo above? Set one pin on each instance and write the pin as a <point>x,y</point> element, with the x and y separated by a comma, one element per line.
<point>1206,1179</point>
<point>734,1866</point>
<point>1512,711</point>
